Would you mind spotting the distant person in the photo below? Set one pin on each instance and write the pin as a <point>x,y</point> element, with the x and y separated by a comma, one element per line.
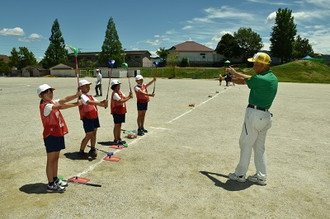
<point>142,98</point>
<point>228,77</point>
<point>118,110</point>
<point>89,116</point>
<point>220,79</point>
<point>54,130</point>
<point>98,84</point>
<point>263,89</point>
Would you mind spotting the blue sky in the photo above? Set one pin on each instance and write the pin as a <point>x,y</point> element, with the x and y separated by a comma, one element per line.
<point>149,25</point>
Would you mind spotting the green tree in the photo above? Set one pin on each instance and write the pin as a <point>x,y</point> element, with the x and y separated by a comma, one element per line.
<point>228,46</point>
<point>301,48</point>
<point>26,57</point>
<point>14,58</point>
<point>21,58</point>
<point>282,37</point>
<point>248,41</point>
<point>56,52</point>
<point>162,53</point>
<point>111,48</point>
<point>4,67</point>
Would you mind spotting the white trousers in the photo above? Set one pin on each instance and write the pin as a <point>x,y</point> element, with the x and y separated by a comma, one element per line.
<point>253,136</point>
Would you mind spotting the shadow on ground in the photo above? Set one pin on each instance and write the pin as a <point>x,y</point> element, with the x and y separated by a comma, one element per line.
<point>76,156</point>
<point>229,185</point>
<point>107,143</point>
<point>35,188</point>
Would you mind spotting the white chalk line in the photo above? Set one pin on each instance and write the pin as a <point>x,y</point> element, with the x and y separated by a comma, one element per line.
<point>202,103</point>
<point>92,167</point>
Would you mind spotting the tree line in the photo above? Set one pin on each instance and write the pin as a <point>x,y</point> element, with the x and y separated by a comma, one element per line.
<point>57,51</point>
<point>285,44</point>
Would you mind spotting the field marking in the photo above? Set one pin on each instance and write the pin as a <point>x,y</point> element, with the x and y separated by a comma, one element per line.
<point>202,103</point>
<point>92,167</point>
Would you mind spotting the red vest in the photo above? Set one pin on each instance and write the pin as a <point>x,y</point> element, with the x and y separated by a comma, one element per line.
<point>141,98</point>
<point>88,111</point>
<point>116,106</point>
<point>54,123</point>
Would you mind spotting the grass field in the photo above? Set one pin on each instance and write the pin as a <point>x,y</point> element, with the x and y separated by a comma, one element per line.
<point>302,71</point>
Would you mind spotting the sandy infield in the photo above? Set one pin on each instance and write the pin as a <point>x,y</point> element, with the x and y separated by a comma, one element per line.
<point>179,169</point>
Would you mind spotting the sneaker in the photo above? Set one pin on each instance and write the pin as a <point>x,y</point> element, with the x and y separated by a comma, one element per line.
<point>62,183</point>
<point>120,142</point>
<point>140,132</point>
<point>257,180</point>
<point>92,153</point>
<point>117,142</point>
<point>55,188</point>
<point>234,177</point>
<point>123,142</point>
<point>144,130</point>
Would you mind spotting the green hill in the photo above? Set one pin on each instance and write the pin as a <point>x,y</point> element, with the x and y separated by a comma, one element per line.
<point>302,71</point>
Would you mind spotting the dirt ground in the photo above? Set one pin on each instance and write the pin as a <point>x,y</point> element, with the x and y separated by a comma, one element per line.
<point>179,169</point>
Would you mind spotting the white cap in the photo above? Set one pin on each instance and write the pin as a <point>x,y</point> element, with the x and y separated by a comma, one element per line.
<point>97,69</point>
<point>84,82</point>
<point>43,88</point>
<point>114,82</point>
<point>138,77</point>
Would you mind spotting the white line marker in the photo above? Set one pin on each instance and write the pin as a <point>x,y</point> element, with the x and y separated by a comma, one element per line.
<point>159,128</point>
<point>189,111</point>
<point>92,167</point>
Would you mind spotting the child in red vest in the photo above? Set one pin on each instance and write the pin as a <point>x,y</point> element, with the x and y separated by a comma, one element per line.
<point>89,116</point>
<point>54,130</point>
<point>118,109</point>
<point>142,98</point>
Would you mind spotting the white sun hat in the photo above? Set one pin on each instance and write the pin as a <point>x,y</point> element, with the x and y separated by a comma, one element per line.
<point>43,88</point>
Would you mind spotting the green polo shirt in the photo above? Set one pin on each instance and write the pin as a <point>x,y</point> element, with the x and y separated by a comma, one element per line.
<point>263,88</point>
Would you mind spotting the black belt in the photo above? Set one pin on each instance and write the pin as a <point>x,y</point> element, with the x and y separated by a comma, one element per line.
<point>256,107</point>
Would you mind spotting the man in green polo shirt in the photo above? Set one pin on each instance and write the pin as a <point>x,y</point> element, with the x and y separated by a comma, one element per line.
<point>263,88</point>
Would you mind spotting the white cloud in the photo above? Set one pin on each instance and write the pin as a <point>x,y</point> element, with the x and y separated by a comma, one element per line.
<point>318,38</point>
<point>307,15</point>
<point>301,16</point>
<point>269,2</point>
<point>213,14</point>
<point>153,54</point>
<point>320,3</point>
<point>266,46</point>
<point>201,20</point>
<point>227,12</point>
<point>187,27</point>
<point>35,36</point>
<point>271,18</point>
<point>153,43</point>
<point>32,38</point>
<point>17,31</point>
<point>315,27</point>
<point>170,32</point>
